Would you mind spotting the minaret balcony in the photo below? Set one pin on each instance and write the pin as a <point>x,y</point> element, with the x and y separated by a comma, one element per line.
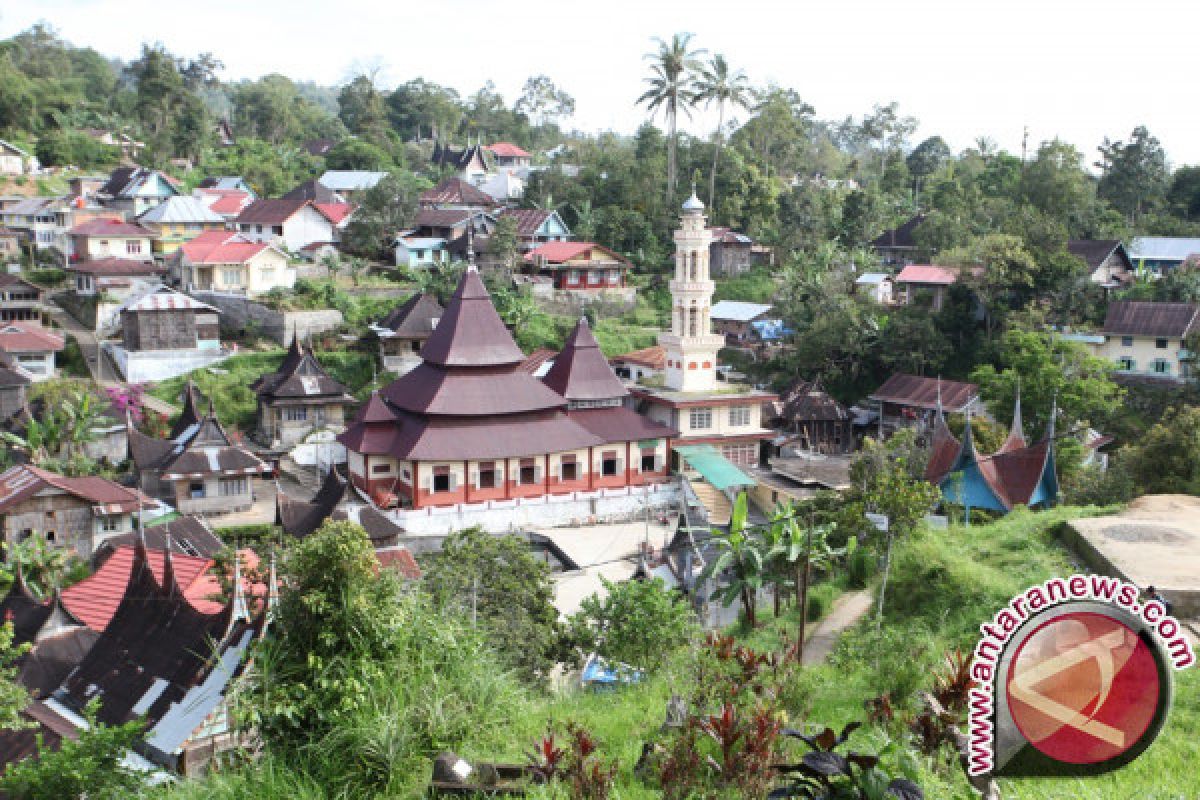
<point>692,287</point>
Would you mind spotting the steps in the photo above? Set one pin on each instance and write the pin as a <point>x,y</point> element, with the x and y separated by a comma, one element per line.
<point>714,500</point>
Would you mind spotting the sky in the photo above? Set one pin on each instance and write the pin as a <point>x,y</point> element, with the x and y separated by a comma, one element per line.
<point>1077,70</point>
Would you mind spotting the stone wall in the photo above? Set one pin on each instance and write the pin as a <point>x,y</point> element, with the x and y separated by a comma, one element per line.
<point>572,302</point>
<point>237,312</point>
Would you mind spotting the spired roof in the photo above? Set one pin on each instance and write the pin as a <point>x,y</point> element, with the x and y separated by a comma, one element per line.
<point>482,392</point>
<point>415,318</point>
<point>191,411</point>
<point>202,448</point>
<point>299,376</point>
<point>300,518</point>
<point>1016,433</point>
<point>1096,251</point>
<point>471,333</point>
<point>580,371</point>
<point>23,611</point>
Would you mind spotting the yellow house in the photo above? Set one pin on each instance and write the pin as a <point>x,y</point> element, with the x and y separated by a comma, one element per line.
<point>1146,339</point>
<point>178,220</point>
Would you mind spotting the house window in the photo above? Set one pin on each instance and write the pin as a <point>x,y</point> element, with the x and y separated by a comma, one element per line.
<point>277,230</point>
<point>573,276</point>
<point>739,416</point>
<point>1125,363</point>
<point>295,414</point>
<point>1160,344</point>
<point>595,276</point>
<point>570,469</point>
<point>529,472</point>
<point>441,479</point>
<point>196,490</point>
<point>700,419</point>
<point>1126,341</point>
<point>231,277</point>
<point>51,536</point>
<point>108,524</point>
<point>614,277</point>
<point>268,276</point>
<point>230,487</point>
<point>609,464</point>
<point>1162,366</point>
<point>380,469</point>
<point>649,462</point>
<point>258,228</point>
<point>486,478</point>
<point>133,247</point>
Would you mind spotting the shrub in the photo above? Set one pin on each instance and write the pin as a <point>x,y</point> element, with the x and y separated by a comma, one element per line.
<point>637,623</point>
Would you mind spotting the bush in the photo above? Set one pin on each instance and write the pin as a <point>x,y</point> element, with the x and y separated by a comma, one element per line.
<point>47,277</point>
<point>860,565</point>
<point>638,623</point>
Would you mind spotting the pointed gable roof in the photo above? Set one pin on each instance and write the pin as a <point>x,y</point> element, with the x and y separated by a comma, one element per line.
<point>455,191</point>
<point>22,610</point>
<point>190,415</point>
<point>202,448</point>
<point>373,428</point>
<point>299,376</point>
<point>1016,432</point>
<point>300,518</point>
<point>471,333</point>
<point>415,318</point>
<point>581,372</point>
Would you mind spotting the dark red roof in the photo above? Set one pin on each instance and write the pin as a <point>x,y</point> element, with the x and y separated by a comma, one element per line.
<point>25,480</point>
<point>653,357</point>
<point>95,599</point>
<point>580,372</point>
<point>28,337</point>
<point>620,424</point>
<point>116,266</point>
<point>537,359</point>
<point>272,211</point>
<point>442,217</point>
<point>109,227</point>
<point>415,318</point>
<point>809,401</point>
<point>456,191</point>
<point>558,252</point>
<point>471,333</point>
<point>1145,318</point>
<point>484,391</point>
<point>335,212</point>
<point>529,220</point>
<point>300,377</point>
<point>398,558</point>
<point>922,392</point>
<point>943,451</point>
<point>300,518</point>
<point>509,436</point>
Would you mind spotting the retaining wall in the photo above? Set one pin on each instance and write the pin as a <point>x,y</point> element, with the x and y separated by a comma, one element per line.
<point>238,311</point>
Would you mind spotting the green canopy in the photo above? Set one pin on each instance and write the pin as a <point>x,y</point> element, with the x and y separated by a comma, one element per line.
<point>713,467</point>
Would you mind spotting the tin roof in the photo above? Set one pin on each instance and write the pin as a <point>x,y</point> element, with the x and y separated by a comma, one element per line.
<point>738,311</point>
<point>164,299</point>
<point>580,371</point>
<point>922,392</point>
<point>181,209</point>
<point>350,179</point>
<point>1163,248</point>
<point>1145,318</point>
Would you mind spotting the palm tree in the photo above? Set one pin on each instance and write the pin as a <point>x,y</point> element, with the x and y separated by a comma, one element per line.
<point>742,555</point>
<point>717,84</point>
<point>672,88</point>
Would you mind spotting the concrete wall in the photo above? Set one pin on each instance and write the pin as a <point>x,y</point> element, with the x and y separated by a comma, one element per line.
<point>158,365</point>
<point>237,311</point>
<point>1143,351</point>
<point>606,302</point>
<point>574,509</point>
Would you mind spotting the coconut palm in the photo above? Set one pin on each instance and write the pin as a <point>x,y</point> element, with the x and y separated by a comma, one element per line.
<point>672,88</point>
<point>718,84</point>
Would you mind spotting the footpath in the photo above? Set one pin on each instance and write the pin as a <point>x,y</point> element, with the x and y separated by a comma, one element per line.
<point>846,612</point>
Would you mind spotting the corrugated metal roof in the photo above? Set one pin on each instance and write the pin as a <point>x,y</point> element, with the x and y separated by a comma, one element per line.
<point>164,299</point>
<point>872,278</point>
<point>352,179</point>
<point>181,209</point>
<point>1163,248</point>
<point>738,311</point>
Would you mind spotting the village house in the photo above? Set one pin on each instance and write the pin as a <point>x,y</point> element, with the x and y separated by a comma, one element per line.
<point>536,226</point>
<point>109,238</point>
<point>420,252</point>
<point>720,424</point>
<point>199,469</point>
<point>112,281</point>
<point>735,320</point>
<point>1160,254</point>
<point>1147,340</point>
<point>290,224</point>
<point>731,253</point>
<point>404,331</point>
<point>14,160</point>
<point>896,247</point>
<point>507,154</point>
<point>31,347</point>
<point>456,193</point>
<point>816,422</point>
<point>10,246</point>
<point>225,261</point>
<point>225,203</point>
<point>907,400</point>
<point>164,658</point>
<point>504,187</point>
<point>1108,262</point>
<point>228,183</point>
<point>578,266</point>
<point>924,285</point>
<point>72,513</point>
<point>33,218</point>
<point>350,183</point>
<point>136,190</point>
<point>462,229</point>
<point>129,147</point>
<point>164,334</point>
<point>649,363</point>
<point>472,163</point>
<point>75,211</point>
<point>14,381</point>
<point>178,220</point>
<point>299,398</point>
<point>20,300</point>
<point>468,430</point>
<point>877,286</point>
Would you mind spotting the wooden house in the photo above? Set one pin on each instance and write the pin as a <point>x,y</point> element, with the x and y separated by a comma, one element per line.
<point>578,266</point>
<point>298,399</point>
<point>730,254</point>
<point>925,285</point>
<point>897,247</point>
<point>536,226</point>
<point>456,193</point>
<point>905,400</point>
<point>164,334</point>
<point>136,190</point>
<point>404,332</point>
<point>20,300</point>
<point>816,422</point>
<point>1108,262</point>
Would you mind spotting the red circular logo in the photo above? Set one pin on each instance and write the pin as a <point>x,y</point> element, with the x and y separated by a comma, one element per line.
<point>1083,688</point>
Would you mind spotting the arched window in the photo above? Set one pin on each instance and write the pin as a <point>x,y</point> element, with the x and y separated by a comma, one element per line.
<point>693,322</point>
<point>692,274</point>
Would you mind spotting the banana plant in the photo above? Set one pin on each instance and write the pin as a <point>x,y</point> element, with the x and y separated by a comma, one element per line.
<point>800,548</point>
<point>743,556</point>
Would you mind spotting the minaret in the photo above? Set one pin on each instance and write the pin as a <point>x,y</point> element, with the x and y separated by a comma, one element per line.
<point>691,345</point>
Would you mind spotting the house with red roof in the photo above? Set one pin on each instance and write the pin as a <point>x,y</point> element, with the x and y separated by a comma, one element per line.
<point>454,192</point>
<point>290,223</point>
<point>923,283</point>
<point>228,261</point>
<point>31,347</point>
<point>77,514</point>
<point>578,266</point>
<point>507,154</point>
<point>109,238</point>
<point>470,437</point>
<point>227,203</point>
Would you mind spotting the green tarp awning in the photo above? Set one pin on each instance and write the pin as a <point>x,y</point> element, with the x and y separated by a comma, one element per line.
<point>713,467</point>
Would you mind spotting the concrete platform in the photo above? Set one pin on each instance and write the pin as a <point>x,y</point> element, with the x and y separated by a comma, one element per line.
<point>1154,542</point>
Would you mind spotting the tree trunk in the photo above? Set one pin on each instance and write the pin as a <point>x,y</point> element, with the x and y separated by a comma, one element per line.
<point>802,602</point>
<point>887,566</point>
<point>748,607</point>
<point>670,156</point>
<point>712,176</point>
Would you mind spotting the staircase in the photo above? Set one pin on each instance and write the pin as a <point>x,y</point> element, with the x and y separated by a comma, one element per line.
<point>304,476</point>
<point>714,501</point>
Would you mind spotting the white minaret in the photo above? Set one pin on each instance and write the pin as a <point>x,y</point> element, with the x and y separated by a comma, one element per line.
<point>691,345</point>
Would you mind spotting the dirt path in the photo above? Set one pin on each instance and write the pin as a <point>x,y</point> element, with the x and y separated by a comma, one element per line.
<point>847,611</point>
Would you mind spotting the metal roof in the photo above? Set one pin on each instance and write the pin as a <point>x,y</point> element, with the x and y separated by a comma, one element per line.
<point>713,467</point>
<point>1163,248</point>
<point>179,209</point>
<point>870,278</point>
<point>738,311</point>
<point>351,179</point>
